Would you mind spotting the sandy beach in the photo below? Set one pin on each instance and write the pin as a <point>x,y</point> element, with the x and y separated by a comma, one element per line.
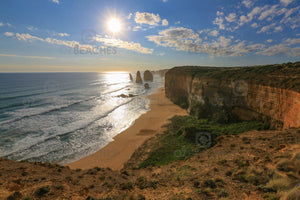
<point>116,153</point>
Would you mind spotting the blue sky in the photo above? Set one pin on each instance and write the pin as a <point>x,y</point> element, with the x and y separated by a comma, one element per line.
<point>73,35</point>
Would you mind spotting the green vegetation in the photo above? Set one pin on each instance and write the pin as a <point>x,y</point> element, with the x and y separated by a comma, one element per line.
<point>126,186</point>
<point>187,135</point>
<point>272,75</point>
<point>15,195</point>
<point>42,191</point>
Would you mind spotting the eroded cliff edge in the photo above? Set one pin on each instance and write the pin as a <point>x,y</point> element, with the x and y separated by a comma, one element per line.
<point>270,93</point>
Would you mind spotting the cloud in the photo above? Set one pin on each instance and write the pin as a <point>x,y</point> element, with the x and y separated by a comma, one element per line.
<point>129,16</point>
<point>266,28</point>
<point>164,1</point>
<point>19,56</point>
<point>250,16</point>
<point>124,45</point>
<point>178,22</point>
<point>231,17</point>
<point>63,34</point>
<point>214,33</point>
<point>136,28</point>
<point>165,22</point>
<point>27,37</point>
<point>286,2</point>
<point>281,49</point>
<point>219,13</point>
<point>284,48</point>
<point>219,21</point>
<point>106,41</point>
<point>271,12</point>
<point>31,28</point>
<point>7,24</point>
<point>179,38</point>
<point>278,29</point>
<point>269,40</point>
<point>292,41</point>
<point>254,25</point>
<point>247,3</point>
<point>222,42</point>
<point>147,18</point>
<point>55,1</point>
<point>292,17</point>
<point>183,39</point>
<point>9,34</point>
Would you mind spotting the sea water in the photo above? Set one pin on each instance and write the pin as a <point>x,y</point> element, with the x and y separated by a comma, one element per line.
<point>62,117</point>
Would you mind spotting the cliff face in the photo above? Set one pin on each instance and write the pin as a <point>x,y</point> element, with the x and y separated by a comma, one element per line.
<point>266,93</point>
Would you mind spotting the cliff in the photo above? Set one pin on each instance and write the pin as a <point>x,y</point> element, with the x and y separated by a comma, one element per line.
<point>270,94</point>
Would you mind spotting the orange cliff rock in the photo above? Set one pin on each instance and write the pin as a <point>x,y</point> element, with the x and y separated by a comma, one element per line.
<point>270,94</point>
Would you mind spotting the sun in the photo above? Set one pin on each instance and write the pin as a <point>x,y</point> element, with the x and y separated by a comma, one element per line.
<point>114,25</point>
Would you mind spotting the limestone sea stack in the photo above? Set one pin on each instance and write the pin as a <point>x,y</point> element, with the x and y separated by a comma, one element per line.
<point>130,76</point>
<point>147,86</point>
<point>138,77</point>
<point>148,76</point>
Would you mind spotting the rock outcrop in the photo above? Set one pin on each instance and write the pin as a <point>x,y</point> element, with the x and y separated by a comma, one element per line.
<point>147,86</point>
<point>148,76</point>
<point>130,76</point>
<point>270,94</point>
<point>138,77</point>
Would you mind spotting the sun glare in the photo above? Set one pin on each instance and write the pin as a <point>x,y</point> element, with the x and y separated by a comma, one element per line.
<point>114,25</point>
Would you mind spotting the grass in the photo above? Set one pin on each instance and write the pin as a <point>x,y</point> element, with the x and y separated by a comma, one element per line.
<point>293,194</point>
<point>42,191</point>
<point>184,137</point>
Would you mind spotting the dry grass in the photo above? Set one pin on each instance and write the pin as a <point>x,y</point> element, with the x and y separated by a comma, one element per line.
<point>293,194</point>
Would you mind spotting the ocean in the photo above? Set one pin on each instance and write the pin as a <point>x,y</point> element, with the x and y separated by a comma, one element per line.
<point>62,117</point>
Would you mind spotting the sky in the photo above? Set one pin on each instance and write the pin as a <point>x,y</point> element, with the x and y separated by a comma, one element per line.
<point>118,35</point>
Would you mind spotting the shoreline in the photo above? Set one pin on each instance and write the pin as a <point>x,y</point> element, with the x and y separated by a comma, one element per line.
<point>115,154</point>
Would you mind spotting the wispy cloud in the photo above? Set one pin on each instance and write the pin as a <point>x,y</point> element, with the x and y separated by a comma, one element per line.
<point>63,34</point>
<point>124,45</point>
<point>247,3</point>
<point>55,1</point>
<point>183,39</point>
<point>31,28</point>
<point>106,41</point>
<point>7,24</point>
<point>20,56</point>
<point>231,17</point>
<point>281,49</point>
<point>286,2</point>
<point>266,28</point>
<point>8,34</point>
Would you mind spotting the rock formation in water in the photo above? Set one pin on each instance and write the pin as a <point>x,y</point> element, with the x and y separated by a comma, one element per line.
<point>148,76</point>
<point>138,77</point>
<point>270,94</point>
<point>126,96</point>
<point>130,76</point>
<point>147,86</point>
